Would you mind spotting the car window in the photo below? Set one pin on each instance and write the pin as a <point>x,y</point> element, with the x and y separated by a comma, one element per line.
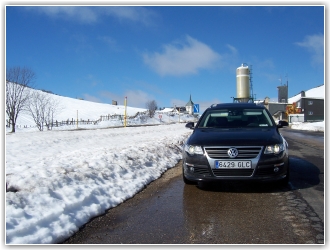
<point>235,118</point>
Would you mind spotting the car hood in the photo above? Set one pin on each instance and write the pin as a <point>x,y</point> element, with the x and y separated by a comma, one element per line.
<point>235,137</point>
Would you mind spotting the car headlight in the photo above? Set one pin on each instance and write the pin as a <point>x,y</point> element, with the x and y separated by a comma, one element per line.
<point>274,149</point>
<point>190,149</point>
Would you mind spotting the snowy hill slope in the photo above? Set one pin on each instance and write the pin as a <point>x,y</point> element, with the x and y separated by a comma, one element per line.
<point>86,109</point>
<point>73,109</point>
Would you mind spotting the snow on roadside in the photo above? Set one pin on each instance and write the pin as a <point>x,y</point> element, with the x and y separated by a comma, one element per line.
<point>59,180</point>
<point>310,126</point>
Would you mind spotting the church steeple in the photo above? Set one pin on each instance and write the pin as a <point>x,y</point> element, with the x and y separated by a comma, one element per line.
<point>190,106</point>
<point>190,103</point>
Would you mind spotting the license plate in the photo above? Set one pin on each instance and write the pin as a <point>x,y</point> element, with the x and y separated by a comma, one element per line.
<point>232,164</point>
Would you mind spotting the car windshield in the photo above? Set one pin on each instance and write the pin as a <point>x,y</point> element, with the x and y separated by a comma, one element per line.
<point>235,118</point>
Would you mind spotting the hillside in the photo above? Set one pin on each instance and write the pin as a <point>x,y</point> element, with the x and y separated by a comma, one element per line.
<point>71,109</point>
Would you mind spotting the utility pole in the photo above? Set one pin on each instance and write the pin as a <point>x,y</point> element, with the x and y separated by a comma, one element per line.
<point>125,111</point>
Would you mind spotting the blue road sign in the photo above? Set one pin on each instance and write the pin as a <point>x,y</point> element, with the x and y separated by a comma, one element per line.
<point>196,108</point>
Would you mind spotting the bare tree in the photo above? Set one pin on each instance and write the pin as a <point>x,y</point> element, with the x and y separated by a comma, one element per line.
<point>152,107</point>
<point>37,108</point>
<point>52,109</point>
<point>18,83</point>
<point>42,107</point>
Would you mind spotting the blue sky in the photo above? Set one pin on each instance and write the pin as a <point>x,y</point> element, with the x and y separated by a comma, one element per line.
<point>166,53</point>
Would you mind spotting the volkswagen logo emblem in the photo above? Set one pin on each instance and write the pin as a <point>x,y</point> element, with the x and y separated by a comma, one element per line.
<point>232,152</point>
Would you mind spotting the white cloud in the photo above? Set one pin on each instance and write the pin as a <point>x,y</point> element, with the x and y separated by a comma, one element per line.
<point>81,14</point>
<point>135,98</point>
<point>233,50</point>
<point>131,13</point>
<point>182,58</point>
<point>92,14</point>
<point>315,45</point>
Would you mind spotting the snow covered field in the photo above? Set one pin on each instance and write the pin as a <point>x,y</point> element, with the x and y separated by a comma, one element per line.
<point>310,126</point>
<point>58,180</point>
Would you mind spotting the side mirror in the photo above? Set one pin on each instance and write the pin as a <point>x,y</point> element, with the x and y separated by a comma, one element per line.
<point>190,125</point>
<point>282,124</point>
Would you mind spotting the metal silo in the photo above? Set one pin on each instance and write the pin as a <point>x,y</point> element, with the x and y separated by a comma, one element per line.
<point>243,84</point>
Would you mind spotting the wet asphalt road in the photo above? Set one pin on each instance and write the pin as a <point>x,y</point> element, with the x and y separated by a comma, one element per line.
<point>306,151</point>
<point>170,212</point>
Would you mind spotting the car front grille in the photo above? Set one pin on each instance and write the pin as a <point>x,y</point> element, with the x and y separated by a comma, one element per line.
<point>243,152</point>
<point>232,172</point>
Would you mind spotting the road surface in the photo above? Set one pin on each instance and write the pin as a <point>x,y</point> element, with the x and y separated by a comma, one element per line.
<point>170,212</point>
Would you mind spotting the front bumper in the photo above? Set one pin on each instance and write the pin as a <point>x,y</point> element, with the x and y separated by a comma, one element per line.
<point>264,168</point>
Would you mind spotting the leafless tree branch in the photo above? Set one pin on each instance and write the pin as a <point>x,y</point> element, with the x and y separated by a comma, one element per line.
<point>152,107</point>
<point>18,83</point>
<point>42,107</point>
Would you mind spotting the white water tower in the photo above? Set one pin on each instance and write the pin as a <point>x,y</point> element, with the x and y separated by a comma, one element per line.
<point>243,84</point>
